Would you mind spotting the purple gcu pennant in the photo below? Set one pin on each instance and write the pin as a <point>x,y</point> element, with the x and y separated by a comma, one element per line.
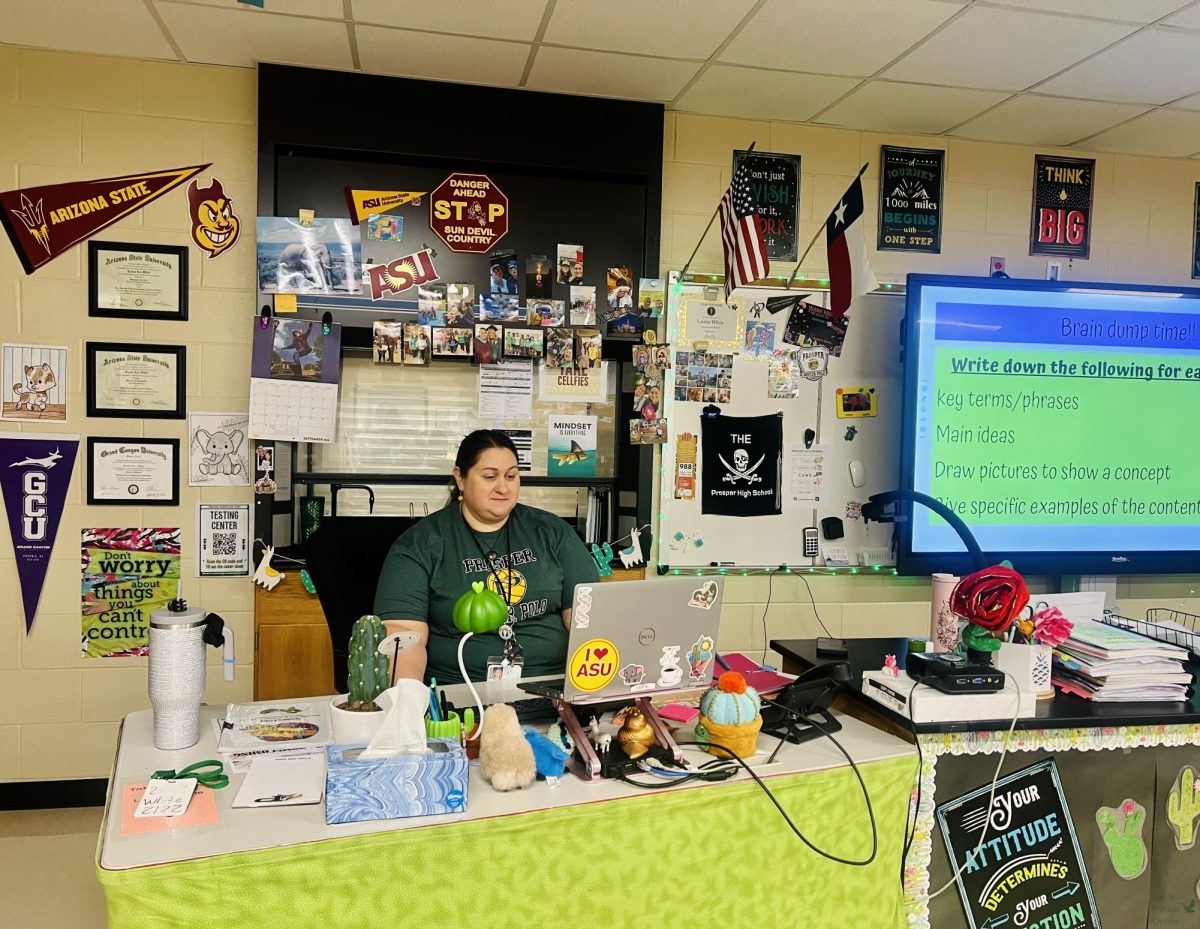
<point>35,472</point>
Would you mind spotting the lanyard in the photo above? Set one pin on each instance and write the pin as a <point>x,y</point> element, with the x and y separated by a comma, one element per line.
<point>511,649</point>
<point>209,773</point>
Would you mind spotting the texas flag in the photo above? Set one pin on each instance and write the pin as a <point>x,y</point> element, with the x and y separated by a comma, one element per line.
<point>850,272</point>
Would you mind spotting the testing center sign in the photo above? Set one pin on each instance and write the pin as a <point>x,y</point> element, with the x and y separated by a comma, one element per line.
<point>468,212</point>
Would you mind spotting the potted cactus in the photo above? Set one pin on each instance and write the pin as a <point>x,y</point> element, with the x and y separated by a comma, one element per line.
<point>356,715</point>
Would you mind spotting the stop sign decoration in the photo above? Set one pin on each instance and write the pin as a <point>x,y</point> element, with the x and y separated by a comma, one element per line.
<point>468,212</point>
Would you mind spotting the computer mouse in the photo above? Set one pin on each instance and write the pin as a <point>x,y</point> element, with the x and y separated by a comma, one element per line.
<point>858,474</point>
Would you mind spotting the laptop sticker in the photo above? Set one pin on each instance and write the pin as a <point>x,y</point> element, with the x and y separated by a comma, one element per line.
<point>700,657</point>
<point>582,615</point>
<point>632,674</point>
<point>593,665</point>
<point>670,674</point>
<point>705,596</point>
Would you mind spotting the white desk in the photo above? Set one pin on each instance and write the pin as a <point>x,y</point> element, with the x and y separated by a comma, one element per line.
<point>294,852</point>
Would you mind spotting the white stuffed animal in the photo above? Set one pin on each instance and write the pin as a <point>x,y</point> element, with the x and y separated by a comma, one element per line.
<point>505,755</point>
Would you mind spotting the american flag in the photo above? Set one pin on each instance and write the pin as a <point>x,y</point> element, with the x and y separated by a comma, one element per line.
<point>741,233</point>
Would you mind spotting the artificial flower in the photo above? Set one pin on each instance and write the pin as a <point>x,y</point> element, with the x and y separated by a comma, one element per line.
<point>991,598</point>
<point>1050,627</point>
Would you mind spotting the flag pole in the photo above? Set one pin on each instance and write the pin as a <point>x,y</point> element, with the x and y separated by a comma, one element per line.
<point>820,229</point>
<point>687,264</point>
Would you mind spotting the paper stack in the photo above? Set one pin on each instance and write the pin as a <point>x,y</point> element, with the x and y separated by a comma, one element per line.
<point>1107,664</point>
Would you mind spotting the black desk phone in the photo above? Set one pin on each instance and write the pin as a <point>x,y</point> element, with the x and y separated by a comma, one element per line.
<point>809,695</point>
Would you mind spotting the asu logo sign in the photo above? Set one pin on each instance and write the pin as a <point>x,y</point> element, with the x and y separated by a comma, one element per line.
<point>468,212</point>
<point>215,227</point>
<point>401,274</point>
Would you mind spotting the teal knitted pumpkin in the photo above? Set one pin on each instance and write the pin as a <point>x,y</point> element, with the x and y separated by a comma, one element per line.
<point>730,701</point>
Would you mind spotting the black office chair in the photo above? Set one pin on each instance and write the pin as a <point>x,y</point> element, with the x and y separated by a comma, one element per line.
<point>344,557</point>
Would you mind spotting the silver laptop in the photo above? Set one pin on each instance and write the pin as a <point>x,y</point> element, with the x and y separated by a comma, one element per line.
<point>639,639</point>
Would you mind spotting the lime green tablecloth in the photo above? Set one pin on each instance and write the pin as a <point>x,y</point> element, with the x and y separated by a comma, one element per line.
<point>718,856</point>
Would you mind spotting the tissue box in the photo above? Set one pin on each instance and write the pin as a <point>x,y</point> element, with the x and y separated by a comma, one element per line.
<point>389,788</point>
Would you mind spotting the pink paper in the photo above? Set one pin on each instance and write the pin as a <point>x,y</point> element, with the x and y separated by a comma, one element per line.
<point>202,811</point>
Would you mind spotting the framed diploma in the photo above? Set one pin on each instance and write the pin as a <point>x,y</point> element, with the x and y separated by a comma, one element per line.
<point>134,380</point>
<point>133,471</point>
<point>130,280</point>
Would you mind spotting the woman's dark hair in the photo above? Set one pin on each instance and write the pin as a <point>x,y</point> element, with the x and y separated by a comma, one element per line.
<point>474,445</point>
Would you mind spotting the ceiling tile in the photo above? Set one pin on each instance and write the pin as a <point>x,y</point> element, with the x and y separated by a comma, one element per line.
<point>1131,11</point>
<point>1033,120</point>
<point>120,27</point>
<point>667,29</point>
<point>883,105</point>
<point>463,59</point>
<point>321,9</point>
<point>1186,19</point>
<point>604,74</point>
<point>240,37</point>
<point>835,36</point>
<point>1004,49</point>
<point>1187,103</point>
<point>512,19</point>
<point>752,93</point>
<point>1121,74</point>
<point>1165,133</point>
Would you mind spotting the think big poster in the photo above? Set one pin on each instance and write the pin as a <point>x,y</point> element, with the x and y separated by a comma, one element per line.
<point>1062,206</point>
<point>127,574</point>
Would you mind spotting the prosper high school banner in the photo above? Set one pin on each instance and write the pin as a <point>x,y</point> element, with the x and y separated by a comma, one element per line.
<point>743,459</point>
<point>35,471</point>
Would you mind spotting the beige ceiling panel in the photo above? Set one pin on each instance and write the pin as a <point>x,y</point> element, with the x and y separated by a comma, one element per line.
<point>1004,49</point>
<point>670,28</point>
<point>757,94</point>
<point>1155,66</point>
<point>1186,19</point>
<point>441,57</point>
<point>321,9</point>
<point>240,37</point>
<point>1132,11</point>
<point>1033,120</point>
<point>919,108</point>
<point>114,27</point>
<point>835,36</point>
<point>604,74</point>
<point>510,19</point>
<point>1166,133</point>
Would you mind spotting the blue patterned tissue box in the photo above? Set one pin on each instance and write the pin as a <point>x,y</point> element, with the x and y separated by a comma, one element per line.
<point>389,788</point>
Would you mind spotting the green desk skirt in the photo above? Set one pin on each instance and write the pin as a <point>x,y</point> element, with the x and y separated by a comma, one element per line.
<point>719,856</point>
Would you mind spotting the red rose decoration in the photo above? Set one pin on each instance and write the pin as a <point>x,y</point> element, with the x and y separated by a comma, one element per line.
<point>990,598</point>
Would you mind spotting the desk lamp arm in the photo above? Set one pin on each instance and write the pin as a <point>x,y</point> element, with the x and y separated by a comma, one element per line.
<point>874,509</point>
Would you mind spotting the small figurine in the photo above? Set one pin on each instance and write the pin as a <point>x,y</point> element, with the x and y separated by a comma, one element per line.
<point>635,735</point>
<point>890,668</point>
<point>265,576</point>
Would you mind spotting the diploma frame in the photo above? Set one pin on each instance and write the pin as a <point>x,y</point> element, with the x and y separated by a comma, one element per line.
<point>101,251</point>
<point>177,355</point>
<point>95,445</point>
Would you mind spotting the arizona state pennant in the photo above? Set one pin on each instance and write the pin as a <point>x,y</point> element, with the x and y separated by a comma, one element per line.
<point>362,203</point>
<point>43,222</point>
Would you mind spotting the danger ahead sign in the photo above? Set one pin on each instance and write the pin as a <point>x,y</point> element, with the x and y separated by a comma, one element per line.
<point>468,212</point>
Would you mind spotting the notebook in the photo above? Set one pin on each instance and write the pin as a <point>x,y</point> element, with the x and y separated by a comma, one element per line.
<point>639,639</point>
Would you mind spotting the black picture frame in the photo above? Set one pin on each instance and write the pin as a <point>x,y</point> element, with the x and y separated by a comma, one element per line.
<point>97,252</point>
<point>94,499</point>
<point>136,410</point>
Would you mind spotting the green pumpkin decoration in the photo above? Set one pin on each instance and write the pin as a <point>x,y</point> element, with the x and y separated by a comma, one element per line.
<point>479,610</point>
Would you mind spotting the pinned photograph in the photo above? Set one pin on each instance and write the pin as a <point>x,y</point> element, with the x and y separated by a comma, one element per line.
<point>620,291</point>
<point>460,304</point>
<point>570,264</point>
<point>523,343</point>
<point>487,348</point>
<point>588,345</point>
<point>35,379</point>
<point>415,344</point>
<point>560,349</point>
<point>504,272</point>
<point>546,313</point>
<point>323,257</point>
<point>431,304</point>
<point>783,377</point>
<point>583,306</point>
<point>539,278</point>
<point>499,308</point>
<point>626,326</point>
<point>651,298</point>
<point>385,227</point>
<point>452,342</point>
<point>760,339</point>
<point>386,336</point>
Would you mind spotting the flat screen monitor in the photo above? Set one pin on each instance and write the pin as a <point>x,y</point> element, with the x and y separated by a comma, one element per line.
<point>1060,420</point>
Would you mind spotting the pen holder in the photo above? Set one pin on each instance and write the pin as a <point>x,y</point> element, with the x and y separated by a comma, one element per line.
<point>449,728</point>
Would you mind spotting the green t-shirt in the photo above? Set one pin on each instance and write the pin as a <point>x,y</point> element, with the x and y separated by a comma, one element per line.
<point>434,563</point>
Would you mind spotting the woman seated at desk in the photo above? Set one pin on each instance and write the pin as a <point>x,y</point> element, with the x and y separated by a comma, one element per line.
<point>530,558</point>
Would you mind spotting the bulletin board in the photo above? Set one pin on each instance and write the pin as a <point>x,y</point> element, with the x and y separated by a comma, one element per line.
<point>870,359</point>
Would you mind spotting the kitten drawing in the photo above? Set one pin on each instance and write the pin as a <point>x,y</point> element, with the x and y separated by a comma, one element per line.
<point>39,382</point>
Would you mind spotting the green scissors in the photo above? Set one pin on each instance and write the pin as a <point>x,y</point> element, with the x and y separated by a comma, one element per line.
<point>209,773</point>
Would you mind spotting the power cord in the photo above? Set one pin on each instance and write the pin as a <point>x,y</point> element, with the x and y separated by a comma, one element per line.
<point>910,823</point>
<point>816,613</point>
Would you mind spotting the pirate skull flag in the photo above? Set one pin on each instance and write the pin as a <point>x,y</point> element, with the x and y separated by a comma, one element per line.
<point>743,457</point>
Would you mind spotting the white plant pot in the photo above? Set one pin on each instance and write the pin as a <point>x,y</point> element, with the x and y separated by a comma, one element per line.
<point>1028,665</point>
<point>350,727</point>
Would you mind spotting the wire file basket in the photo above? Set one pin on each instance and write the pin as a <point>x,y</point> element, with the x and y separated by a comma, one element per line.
<point>1171,626</point>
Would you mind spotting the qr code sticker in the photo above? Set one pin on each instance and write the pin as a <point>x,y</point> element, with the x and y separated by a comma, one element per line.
<point>224,543</point>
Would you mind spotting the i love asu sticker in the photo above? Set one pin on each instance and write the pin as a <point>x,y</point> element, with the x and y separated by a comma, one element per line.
<point>593,665</point>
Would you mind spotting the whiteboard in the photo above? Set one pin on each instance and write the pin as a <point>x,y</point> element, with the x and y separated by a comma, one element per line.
<point>870,358</point>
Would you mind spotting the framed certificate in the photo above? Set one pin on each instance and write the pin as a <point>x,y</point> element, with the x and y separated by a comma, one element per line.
<point>130,280</point>
<point>133,471</point>
<point>134,380</point>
